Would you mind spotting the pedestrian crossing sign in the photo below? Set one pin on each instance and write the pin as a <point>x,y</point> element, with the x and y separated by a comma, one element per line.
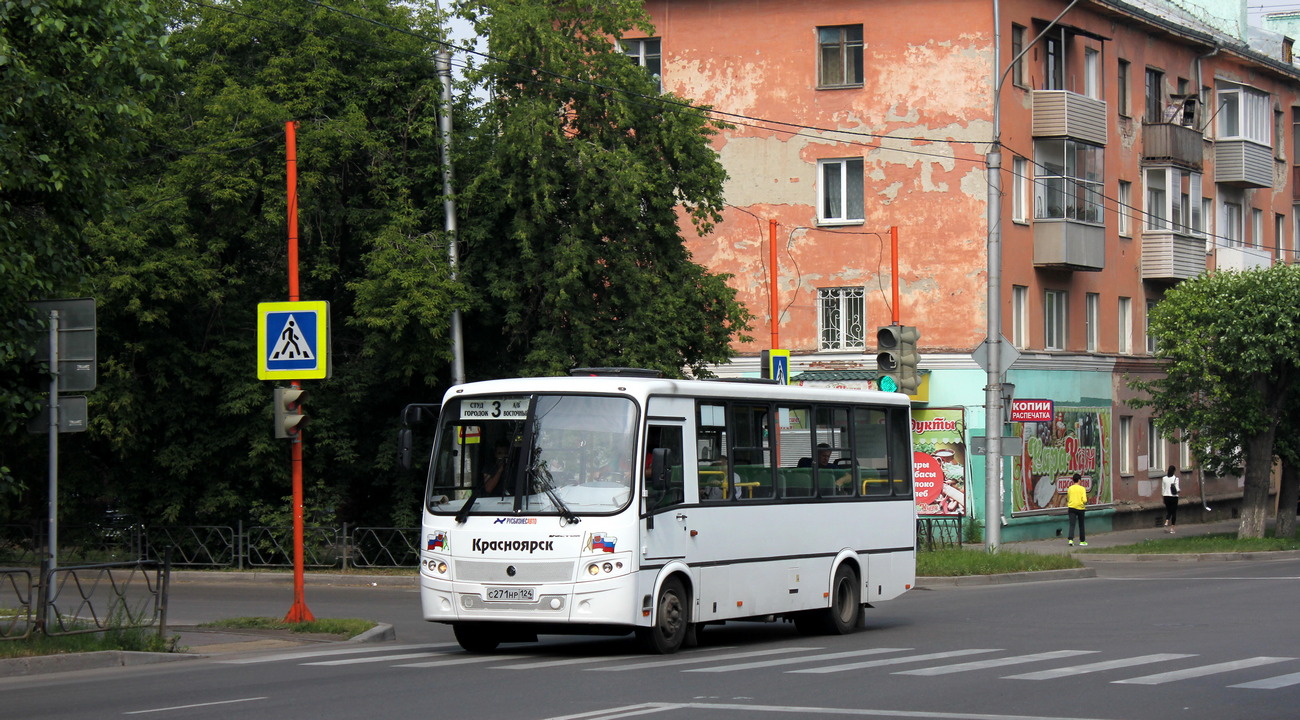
<point>293,340</point>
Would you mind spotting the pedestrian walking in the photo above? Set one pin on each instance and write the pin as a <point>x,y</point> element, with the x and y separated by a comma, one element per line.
<point>1169,491</point>
<point>1076,501</point>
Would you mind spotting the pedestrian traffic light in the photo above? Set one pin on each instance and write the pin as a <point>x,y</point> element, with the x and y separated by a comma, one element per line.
<point>897,359</point>
<point>289,417</point>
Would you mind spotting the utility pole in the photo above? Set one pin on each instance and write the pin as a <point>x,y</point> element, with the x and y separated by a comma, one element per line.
<point>443,62</point>
<point>993,412</point>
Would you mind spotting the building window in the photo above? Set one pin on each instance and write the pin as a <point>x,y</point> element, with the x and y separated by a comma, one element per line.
<point>1091,319</point>
<point>1184,452</point>
<point>1092,73</point>
<point>1055,317</point>
<point>1125,325</point>
<point>1017,47</point>
<point>1280,240</point>
<point>1256,228</point>
<point>1069,182</point>
<point>1155,449</point>
<point>1244,113</point>
<point>1173,200</point>
<point>1125,444</point>
<point>840,56</point>
<point>1232,229</point>
<point>1125,108</point>
<point>1124,209</point>
<point>1019,189</point>
<point>840,199</point>
<point>1019,311</point>
<point>1151,339</point>
<point>1053,64</point>
<point>1155,97</point>
<point>842,318</point>
<point>645,52</point>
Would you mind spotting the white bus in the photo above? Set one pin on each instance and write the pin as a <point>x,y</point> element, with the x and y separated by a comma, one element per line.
<point>615,502</point>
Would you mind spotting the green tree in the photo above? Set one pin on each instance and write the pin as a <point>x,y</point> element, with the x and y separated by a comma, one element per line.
<point>571,214</point>
<point>79,80</point>
<point>1231,346</point>
<point>180,424</point>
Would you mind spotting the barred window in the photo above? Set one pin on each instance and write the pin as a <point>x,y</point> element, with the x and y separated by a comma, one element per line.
<point>842,313</point>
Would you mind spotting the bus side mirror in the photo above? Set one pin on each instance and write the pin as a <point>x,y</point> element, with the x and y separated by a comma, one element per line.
<point>660,459</point>
<point>405,442</point>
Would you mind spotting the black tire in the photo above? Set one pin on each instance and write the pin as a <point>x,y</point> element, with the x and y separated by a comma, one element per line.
<point>846,602</point>
<point>841,618</point>
<point>672,619</point>
<point>476,637</point>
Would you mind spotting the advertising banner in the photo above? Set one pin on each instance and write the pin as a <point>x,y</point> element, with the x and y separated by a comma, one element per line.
<point>939,461</point>
<point>1077,439</point>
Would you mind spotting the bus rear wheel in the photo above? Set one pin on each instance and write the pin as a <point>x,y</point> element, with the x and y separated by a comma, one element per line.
<point>669,630</point>
<point>841,618</point>
<point>476,637</point>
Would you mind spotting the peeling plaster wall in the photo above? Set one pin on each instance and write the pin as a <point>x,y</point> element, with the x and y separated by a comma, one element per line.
<point>921,122</point>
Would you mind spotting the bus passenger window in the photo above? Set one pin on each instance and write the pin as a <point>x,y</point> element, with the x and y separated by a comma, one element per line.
<point>869,435</point>
<point>833,464</point>
<point>900,460</point>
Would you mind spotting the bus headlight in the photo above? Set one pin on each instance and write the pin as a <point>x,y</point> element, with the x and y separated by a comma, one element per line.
<point>436,566</point>
<point>606,568</point>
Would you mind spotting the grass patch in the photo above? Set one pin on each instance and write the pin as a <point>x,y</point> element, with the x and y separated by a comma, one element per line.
<point>128,639</point>
<point>346,627</point>
<point>1215,543</point>
<point>957,562</point>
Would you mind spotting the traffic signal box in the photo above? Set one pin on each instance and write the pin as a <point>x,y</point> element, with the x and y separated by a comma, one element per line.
<point>289,416</point>
<point>897,359</point>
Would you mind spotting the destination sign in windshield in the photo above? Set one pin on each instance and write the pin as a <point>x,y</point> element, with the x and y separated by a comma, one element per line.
<point>489,408</point>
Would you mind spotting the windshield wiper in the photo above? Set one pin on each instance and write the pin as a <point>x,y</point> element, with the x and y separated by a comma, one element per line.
<point>542,476</point>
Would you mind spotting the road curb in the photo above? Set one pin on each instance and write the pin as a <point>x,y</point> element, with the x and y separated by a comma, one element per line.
<point>1085,557</point>
<point>930,582</point>
<point>72,662</point>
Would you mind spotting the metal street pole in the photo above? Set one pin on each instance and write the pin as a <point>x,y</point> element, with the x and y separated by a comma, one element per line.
<point>993,385</point>
<point>442,59</point>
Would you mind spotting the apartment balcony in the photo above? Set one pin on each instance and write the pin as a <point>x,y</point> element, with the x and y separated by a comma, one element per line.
<point>1171,256</point>
<point>1243,164</point>
<point>1240,257</point>
<point>1164,143</point>
<point>1061,113</point>
<point>1069,245</point>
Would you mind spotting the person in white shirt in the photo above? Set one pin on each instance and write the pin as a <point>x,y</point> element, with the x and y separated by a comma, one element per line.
<point>1169,491</point>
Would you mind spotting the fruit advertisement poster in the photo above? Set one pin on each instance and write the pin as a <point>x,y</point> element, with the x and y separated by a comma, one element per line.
<point>939,461</point>
<point>1077,440</point>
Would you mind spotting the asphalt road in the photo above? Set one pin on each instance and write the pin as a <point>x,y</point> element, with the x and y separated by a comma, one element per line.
<point>1194,641</point>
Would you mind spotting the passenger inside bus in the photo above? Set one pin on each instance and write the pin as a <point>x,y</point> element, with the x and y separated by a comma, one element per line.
<point>823,457</point>
<point>495,474</point>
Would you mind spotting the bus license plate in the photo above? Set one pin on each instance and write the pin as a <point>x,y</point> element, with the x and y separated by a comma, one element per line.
<point>511,594</point>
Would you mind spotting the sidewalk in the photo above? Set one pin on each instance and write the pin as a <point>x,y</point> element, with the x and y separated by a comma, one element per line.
<point>1059,546</point>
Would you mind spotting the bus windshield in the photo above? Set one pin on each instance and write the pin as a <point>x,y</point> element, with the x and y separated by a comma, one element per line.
<point>533,454</point>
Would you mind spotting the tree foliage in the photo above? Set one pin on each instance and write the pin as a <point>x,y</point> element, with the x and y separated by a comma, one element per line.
<point>1231,346</point>
<point>78,83</point>
<point>584,175</point>
<point>180,428</point>
<point>572,248</point>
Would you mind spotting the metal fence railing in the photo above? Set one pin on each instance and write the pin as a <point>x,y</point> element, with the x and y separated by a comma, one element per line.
<point>938,532</point>
<point>216,546</point>
<point>77,599</point>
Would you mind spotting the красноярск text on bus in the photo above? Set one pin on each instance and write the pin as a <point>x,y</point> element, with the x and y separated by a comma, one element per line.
<point>609,503</point>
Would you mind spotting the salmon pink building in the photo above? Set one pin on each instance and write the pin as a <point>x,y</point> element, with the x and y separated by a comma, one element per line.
<point>1137,145</point>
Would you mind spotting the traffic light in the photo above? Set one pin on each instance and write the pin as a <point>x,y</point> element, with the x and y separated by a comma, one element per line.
<point>896,358</point>
<point>289,417</point>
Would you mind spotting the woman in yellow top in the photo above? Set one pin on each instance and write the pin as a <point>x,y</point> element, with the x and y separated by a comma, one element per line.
<point>1076,500</point>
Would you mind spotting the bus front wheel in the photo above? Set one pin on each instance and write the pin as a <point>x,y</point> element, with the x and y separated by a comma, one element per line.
<point>476,637</point>
<point>669,630</point>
